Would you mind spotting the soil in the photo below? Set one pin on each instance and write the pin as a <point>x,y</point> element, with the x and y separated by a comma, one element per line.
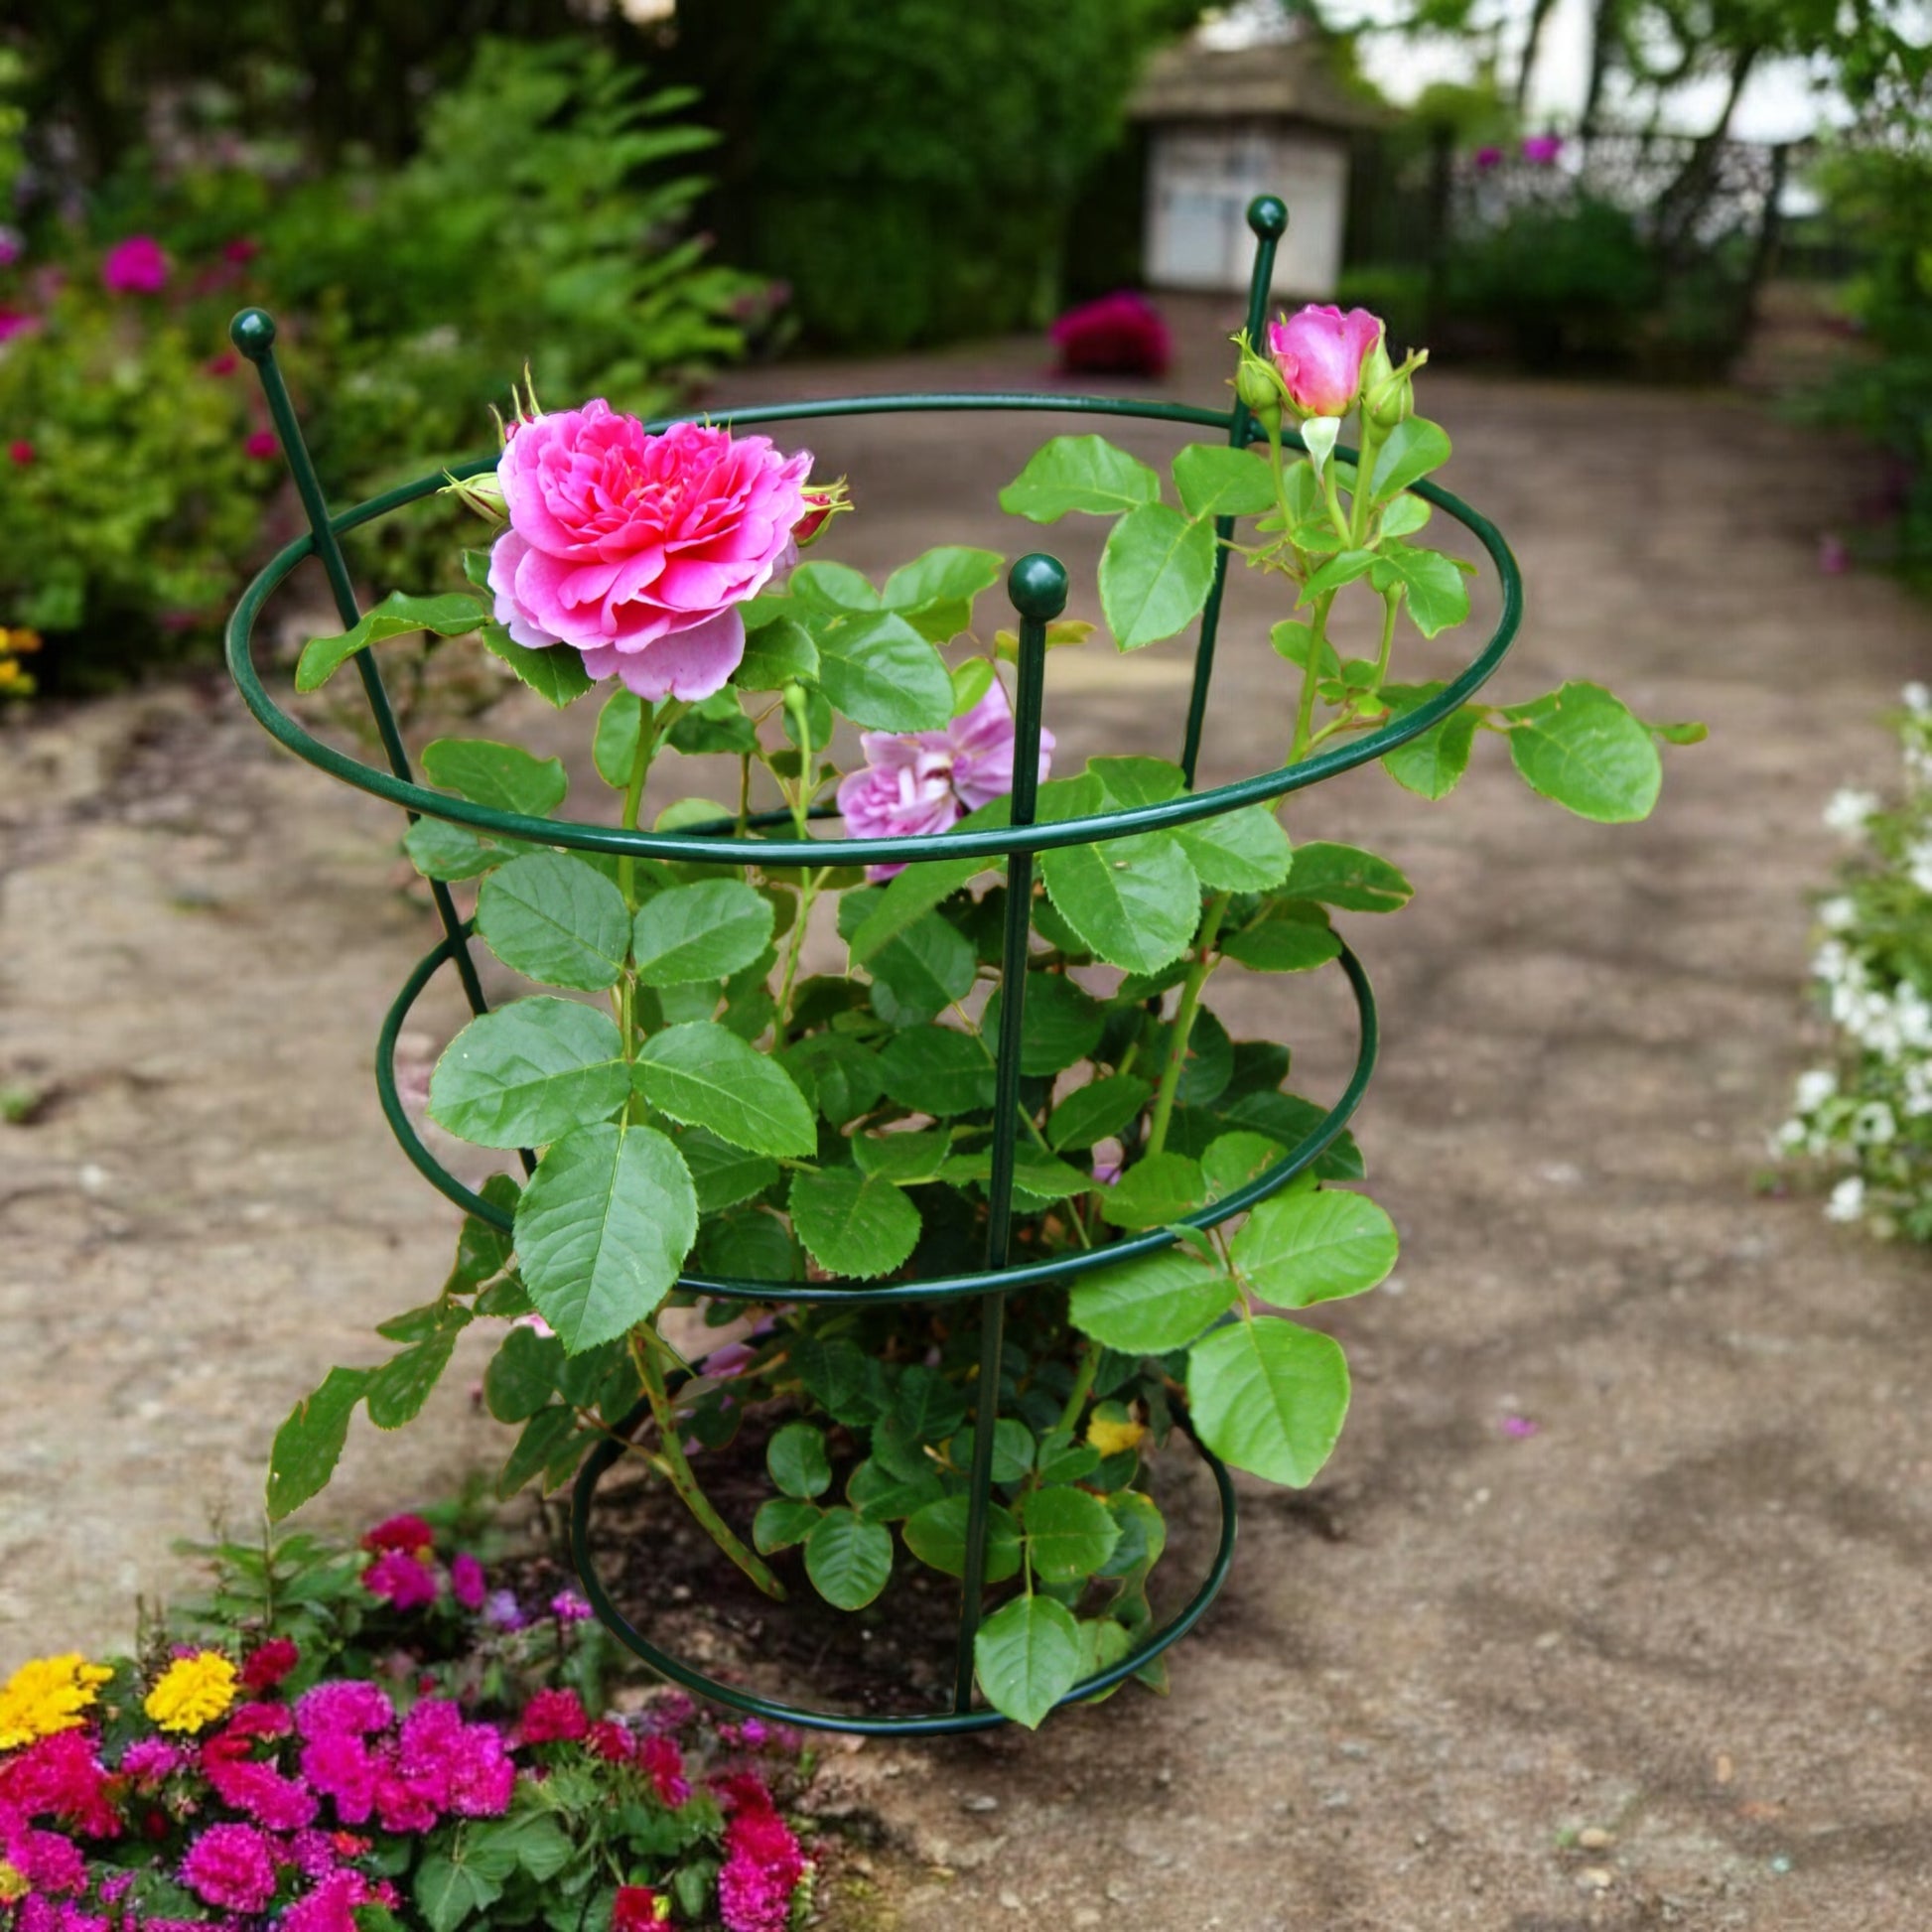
<point>1663,1661</point>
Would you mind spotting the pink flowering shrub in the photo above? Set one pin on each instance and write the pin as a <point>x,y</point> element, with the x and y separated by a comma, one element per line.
<point>297,1796</point>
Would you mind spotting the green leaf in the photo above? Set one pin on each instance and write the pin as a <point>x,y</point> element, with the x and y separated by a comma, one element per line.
<point>908,897</point>
<point>783,1521</point>
<point>449,616</point>
<point>796,1458</point>
<point>1155,575</point>
<point>555,673</point>
<point>1298,1249</point>
<point>700,932</point>
<point>848,1559</point>
<point>528,1074</point>
<point>1079,472</point>
<point>1342,568</point>
<point>717,724</point>
<point>934,592</point>
<point>1231,1161</point>
<point>1437,591</point>
<point>309,1445</point>
<point>1410,450</point>
<point>1347,876</point>
<point>723,1175</point>
<point>920,972</point>
<point>1152,1304</point>
<point>1028,1654</point>
<point>1242,850</point>
<point>522,1375</point>
<point>1070,1534</point>
<point>440,850</point>
<point>447,1894</point>
<point>556,919</point>
<point>1269,1396</point>
<point>1037,1176</point>
<point>1097,1112</point>
<point>843,1073</point>
<point>905,1158</point>
<point>1059,1025</point>
<point>936,1070</point>
<point>880,1496</point>
<point>936,1535</point>
<point>613,745</point>
<point>776,656</point>
<point>881,673</point>
<point>1157,1189</point>
<point>1430,766</point>
<point>546,1436</point>
<point>1690,732</point>
<point>704,1076</point>
<point>829,586</point>
<point>399,1388</point>
<point>1282,946</point>
<point>853,1224</point>
<point>1405,517</point>
<point>1215,481</point>
<point>1135,901</point>
<point>525,1841</point>
<point>1581,748</point>
<point>1012,1449</point>
<point>502,776</point>
<point>971,681</point>
<point>1291,640</point>
<point>1135,781</point>
<point>603,1229</point>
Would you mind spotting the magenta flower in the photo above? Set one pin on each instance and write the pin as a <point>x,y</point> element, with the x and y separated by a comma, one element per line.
<point>13,244</point>
<point>466,1582</point>
<point>1319,354</point>
<point>553,1717</point>
<point>568,1607</point>
<point>926,782</point>
<point>261,444</point>
<point>1119,334</point>
<point>1540,150</point>
<point>136,266</point>
<point>1488,158</point>
<point>636,549</point>
<point>231,1865</point>
<point>16,322</point>
<point>405,1580</point>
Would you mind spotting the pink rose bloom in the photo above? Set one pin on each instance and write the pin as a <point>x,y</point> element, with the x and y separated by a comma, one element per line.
<point>136,266</point>
<point>636,549</point>
<point>1319,353</point>
<point>927,782</point>
<point>1542,149</point>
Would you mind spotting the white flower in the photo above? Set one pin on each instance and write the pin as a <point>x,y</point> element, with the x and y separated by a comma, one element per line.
<point>1917,697</point>
<point>1918,865</point>
<point>1814,1089</point>
<point>1791,1137</point>
<point>1837,915</point>
<point>1848,1200</point>
<point>1848,809</point>
<point>1873,1124</point>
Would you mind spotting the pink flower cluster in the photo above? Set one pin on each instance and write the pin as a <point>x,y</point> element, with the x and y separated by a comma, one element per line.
<point>763,1859</point>
<point>403,1569</point>
<point>409,1777</point>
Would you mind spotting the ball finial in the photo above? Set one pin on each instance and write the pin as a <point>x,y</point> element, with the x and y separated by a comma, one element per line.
<point>253,333</point>
<point>1038,586</point>
<point>1268,216</point>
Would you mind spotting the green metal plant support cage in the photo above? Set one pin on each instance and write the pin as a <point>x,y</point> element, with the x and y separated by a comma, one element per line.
<point>1038,586</point>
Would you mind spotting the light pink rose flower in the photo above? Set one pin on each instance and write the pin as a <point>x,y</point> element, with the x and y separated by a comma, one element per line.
<point>927,782</point>
<point>1319,354</point>
<point>635,549</point>
<point>136,266</point>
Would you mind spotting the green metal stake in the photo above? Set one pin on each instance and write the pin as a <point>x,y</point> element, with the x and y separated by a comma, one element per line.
<point>253,333</point>
<point>1267,218</point>
<point>1038,586</point>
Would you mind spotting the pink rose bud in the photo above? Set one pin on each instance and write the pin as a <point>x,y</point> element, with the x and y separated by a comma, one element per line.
<point>1319,354</point>
<point>261,443</point>
<point>136,266</point>
<point>823,502</point>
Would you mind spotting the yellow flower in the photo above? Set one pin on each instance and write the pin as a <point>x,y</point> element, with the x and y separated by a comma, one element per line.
<point>191,1692</point>
<point>48,1694</point>
<point>13,1882</point>
<point>1111,1435</point>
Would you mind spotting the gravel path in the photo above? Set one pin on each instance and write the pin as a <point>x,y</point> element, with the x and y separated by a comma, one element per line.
<point>1685,1617</point>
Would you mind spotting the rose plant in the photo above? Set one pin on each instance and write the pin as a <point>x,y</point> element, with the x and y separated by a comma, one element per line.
<point>695,1102</point>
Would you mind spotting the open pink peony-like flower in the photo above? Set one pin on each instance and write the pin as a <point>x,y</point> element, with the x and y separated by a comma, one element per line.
<point>926,782</point>
<point>136,266</point>
<point>1319,353</point>
<point>636,549</point>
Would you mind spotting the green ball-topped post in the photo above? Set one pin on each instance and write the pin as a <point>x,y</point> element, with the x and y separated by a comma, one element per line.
<point>254,334</point>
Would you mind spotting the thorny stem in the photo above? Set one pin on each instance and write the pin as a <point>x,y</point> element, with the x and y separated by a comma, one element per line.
<point>644,1352</point>
<point>1184,1022</point>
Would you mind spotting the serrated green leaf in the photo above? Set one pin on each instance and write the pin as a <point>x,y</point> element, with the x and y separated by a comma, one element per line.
<point>1059,1025</point>
<point>1347,876</point>
<point>1231,1161</point>
<point>555,673</point>
<point>900,1157</point>
<point>1342,568</point>
<point>853,1224</point>
<point>775,656</point>
<point>309,1443</point>
<point>934,592</point>
<point>1409,451</point>
<point>936,1070</point>
<point>1269,1396</point>
<point>1097,1112</point>
<point>936,1535</point>
<point>1155,575</point>
<point>797,1460</point>
<point>705,931</point>
<point>1069,1533</point>
<point>546,1436</point>
<point>613,745</point>
<point>448,1894</point>
<point>920,972</point>
<point>1299,1249</point>
<point>398,1388</point>
<point>704,1076</point>
<point>556,919</point>
<point>724,1174</point>
<point>449,615</point>
<point>522,1375</point>
<point>1581,748</point>
<point>1133,902</point>
<point>848,1559</point>
<point>603,1229</point>
<point>1282,946</point>
<point>1079,472</point>
<point>828,586</point>
<point>1431,764</point>
<point>1434,589</point>
<point>1216,480</point>
<point>1154,1303</point>
<point>1242,850</point>
<point>505,778</point>
<point>1027,1654</point>
<point>441,850</point>
<point>528,1074</point>
<point>783,1521</point>
<point>881,673</point>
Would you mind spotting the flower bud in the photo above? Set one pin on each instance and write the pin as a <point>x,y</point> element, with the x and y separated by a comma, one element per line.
<point>482,493</point>
<point>1260,390</point>
<point>823,502</point>
<point>1389,398</point>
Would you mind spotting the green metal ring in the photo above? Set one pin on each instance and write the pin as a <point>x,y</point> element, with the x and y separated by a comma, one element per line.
<point>933,1724</point>
<point>985,843</point>
<point>945,1288</point>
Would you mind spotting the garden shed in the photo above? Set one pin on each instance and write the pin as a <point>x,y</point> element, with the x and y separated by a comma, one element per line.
<point>1224,124</point>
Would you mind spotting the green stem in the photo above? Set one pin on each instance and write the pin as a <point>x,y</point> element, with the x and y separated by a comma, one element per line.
<point>1391,600</point>
<point>794,942</point>
<point>1184,1022</point>
<point>1360,505</point>
<point>644,1354</point>
<point>1082,1387</point>
<point>1310,677</point>
<point>633,800</point>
